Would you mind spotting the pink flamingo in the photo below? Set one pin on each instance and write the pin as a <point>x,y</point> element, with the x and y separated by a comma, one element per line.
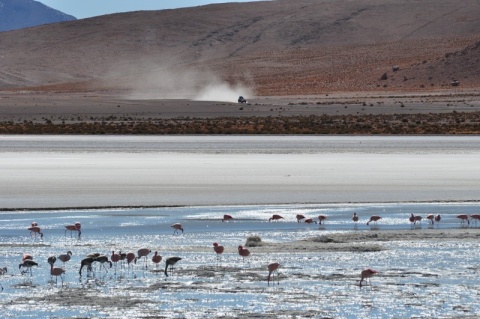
<point>143,252</point>
<point>65,257</point>
<point>76,227</point>
<point>463,218</point>
<point>226,218</point>
<point>321,218</point>
<point>299,217</point>
<point>310,221</point>
<point>355,218</point>
<point>26,257</point>
<point>177,227</point>
<point>275,218</point>
<point>218,249</point>
<point>131,258</point>
<point>87,261</point>
<point>57,272</point>
<point>156,259</point>
<point>366,274</point>
<point>418,218</point>
<point>115,258</point>
<point>374,218</point>
<point>412,219</point>
<point>438,218</point>
<point>475,217</point>
<point>171,262</point>
<point>244,252</point>
<point>27,264</point>
<point>431,218</point>
<point>34,230</point>
<point>272,268</point>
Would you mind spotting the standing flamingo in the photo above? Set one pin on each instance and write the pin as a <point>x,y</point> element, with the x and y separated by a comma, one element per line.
<point>27,264</point>
<point>374,218</point>
<point>244,252</point>
<point>275,217</point>
<point>463,218</point>
<point>412,219</point>
<point>431,218</point>
<point>272,268</point>
<point>34,230</point>
<point>299,217</point>
<point>310,221</point>
<point>366,274</point>
<point>218,250</point>
<point>75,227</point>
<point>226,218</point>
<point>143,252</point>
<point>321,218</point>
<point>57,272</point>
<point>418,218</point>
<point>87,261</point>
<point>177,227</point>
<point>171,262</point>
<point>156,259</point>
<point>475,217</point>
<point>65,257</point>
<point>438,218</point>
<point>355,218</point>
<point>102,260</point>
<point>115,258</point>
<point>26,257</point>
<point>131,258</point>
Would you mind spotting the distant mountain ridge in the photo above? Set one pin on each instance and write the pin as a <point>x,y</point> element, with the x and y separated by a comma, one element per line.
<point>18,14</point>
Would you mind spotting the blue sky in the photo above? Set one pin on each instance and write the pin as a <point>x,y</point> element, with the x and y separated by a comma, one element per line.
<point>89,8</point>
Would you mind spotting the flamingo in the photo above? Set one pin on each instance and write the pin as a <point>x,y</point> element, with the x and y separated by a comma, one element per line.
<point>57,272</point>
<point>130,257</point>
<point>88,261</point>
<point>177,227</point>
<point>310,221</point>
<point>321,218</point>
<point>226,218</point>
<point>218,250</point>
<point>115,258</point>
<point>275,217</point>
<point>431,218</point>
<point>475,217</point>
<point>463,218</point>
<point>156,259</point>
<point>418,218</point>
<point>438,218</point>
<point>366,274</point>
<point>75,227</point>
<point>34,230</point>
<point>244,252</point>
<point>143,252</point>
<point>299,217</point>
<point>374,218</point>
<point>272,268</point>
<point>102,260</point>
<point>355,218</point>
<point>171,262</point>
<point>27,264</point>
<point>412,219</point>
<point>65,257</point>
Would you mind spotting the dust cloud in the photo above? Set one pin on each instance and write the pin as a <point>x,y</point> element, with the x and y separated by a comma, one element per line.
<point>169,81</point>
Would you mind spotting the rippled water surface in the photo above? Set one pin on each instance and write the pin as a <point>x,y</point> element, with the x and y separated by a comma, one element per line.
<point>417,279</point>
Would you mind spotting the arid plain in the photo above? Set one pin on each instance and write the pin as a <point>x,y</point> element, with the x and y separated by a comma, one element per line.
<point>314,67</point>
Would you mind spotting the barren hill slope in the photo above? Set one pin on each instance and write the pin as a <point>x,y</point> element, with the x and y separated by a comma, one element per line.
<point>277,47</point>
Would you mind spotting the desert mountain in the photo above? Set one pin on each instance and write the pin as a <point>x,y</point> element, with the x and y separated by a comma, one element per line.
<point>276,47</point>
<point>17,14</point>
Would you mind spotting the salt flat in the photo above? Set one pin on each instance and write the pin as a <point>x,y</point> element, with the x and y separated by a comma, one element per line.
<point>55,172</point>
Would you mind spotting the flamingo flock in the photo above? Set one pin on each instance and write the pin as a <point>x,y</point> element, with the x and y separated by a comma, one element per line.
<point>106,262</point>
